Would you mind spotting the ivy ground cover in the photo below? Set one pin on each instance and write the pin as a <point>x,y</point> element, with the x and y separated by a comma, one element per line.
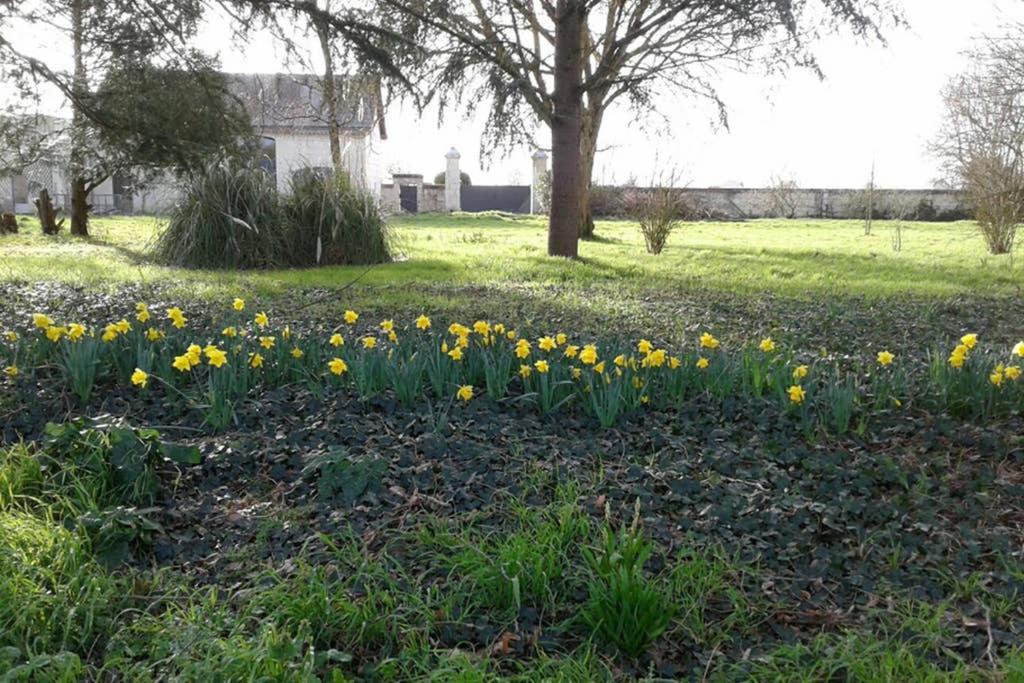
<point>784,511</point>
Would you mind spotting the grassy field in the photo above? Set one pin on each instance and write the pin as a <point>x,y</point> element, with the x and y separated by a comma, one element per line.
<point>787,258</point>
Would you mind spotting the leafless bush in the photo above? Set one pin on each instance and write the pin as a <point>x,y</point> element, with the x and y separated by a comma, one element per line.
<point>782,196</point>
<point>982,139</point>
<point>659,210</point>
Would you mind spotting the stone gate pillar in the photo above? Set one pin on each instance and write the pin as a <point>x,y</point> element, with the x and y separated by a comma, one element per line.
<point>540,168</point>
<point>452,182</point>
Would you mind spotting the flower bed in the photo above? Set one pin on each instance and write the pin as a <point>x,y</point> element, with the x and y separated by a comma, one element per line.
<point>213,369</point>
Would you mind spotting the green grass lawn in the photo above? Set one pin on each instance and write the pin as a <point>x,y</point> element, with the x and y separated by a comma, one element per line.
<point>799,258</point>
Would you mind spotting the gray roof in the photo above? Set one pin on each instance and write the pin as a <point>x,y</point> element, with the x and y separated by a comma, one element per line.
<point>294,102</point>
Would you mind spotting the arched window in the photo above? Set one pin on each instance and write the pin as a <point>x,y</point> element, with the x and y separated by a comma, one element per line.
<point>268,156</point>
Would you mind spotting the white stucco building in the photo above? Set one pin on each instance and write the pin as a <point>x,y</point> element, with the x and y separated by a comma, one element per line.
<point>290,119</point>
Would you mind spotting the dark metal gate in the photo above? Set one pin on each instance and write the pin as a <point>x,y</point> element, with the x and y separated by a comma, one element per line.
<point>408,199</point>
<point>509,198</point>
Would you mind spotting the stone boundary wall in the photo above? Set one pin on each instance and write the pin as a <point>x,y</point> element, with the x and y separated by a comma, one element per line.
<point>743,203</point>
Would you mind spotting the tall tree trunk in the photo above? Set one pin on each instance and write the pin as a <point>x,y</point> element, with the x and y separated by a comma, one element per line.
<point>330,91</point>
<point>79,207</point>
<point>79,88</point>
<point>566,126</point>
<point>591,125</point>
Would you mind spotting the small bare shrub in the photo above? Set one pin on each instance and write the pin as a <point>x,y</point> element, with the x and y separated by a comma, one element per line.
<point>996,189</point>
<point>659,210</point>
<point>782,197</point>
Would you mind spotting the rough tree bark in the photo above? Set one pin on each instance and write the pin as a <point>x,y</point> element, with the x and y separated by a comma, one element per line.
<point>330,92</point>
<point>591,124</point>
<point>566,128</point>
<point>79,87</point>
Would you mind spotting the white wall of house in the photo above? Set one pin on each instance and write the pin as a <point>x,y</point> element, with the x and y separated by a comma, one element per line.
<point>296,151</point>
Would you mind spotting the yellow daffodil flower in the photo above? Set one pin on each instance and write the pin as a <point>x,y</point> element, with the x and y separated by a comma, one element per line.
<point>76,331</point>
<point>800,372</point>
<point>767,345</point>
<point>286,333</point>
<point>230,332</point>
<point>11,336</point>
<point>525,371</point>
<point>176,317</point>
<point>644,346</point>
<point>216,357</point>
<point>674,362</point>
<point>969,340</point>
<point>482,327</point>
<point>255,360</point>
<point>1018,349</point>
<point>369,342</point>
<point>267,342</point>
<point>337,367</point>
<point>599,368</point>
<point>1012,373</point>
<point>707,341</point>
<point>297,353</point>
<point>42,321</point>
<point>54,333</point>
<point>571,351</point>
<point>703,363</point>
<point>655,359</point>
<point>261,320</point>
<point>12,371</point>
<point>351,317</point>
<point>153,334</point>
<point>182,363</point>
<point>456,353</point>
<point>140,378</point>
<point>238,304</point>
<point>465,392</point>
<point>336,340</point>
<point>588,356</point>
<point>547,344</point>
<point>796,394</point>
<point>561,338</point>
<point>423,323</point>
<point>142,312</point>
<point>885,358</point>
<point>542,366</point>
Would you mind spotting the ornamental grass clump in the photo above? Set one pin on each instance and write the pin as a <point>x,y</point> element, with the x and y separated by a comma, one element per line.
<point>229,217</point>
<point>232,216</point>
<point>332,223</point>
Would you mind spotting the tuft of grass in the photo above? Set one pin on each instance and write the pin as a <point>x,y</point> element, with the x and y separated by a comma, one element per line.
<point>850,657</point>
<point>54,596</point>
<point>625,608</point>
<point>525,566</point>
